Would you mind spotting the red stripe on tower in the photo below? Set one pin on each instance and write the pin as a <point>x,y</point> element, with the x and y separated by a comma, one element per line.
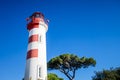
<point>33,38</point>
<point>32,25</point>
<point>32,53</point>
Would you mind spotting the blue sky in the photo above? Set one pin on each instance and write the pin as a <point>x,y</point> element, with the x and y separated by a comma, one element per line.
<point>88,28</point>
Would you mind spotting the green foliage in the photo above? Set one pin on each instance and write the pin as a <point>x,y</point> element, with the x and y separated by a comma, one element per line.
<point>69,63</point>
<point>52,76</point>
<point>112,74</point>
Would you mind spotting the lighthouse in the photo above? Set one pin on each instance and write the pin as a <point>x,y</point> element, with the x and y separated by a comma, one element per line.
<point>36,64</point>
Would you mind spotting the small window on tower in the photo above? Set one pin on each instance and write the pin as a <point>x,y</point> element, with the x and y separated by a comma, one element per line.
<point>40,38</point>
<point>39,72</point>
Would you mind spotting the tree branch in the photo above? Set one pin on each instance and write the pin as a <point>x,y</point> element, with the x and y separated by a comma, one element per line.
<point>68,75</point>
<point>74,74</point>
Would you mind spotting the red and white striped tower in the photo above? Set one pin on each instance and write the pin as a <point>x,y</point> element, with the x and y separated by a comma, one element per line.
<point>36,65</point>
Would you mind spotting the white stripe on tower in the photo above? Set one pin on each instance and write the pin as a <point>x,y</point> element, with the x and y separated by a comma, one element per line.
<point>33,31</point>
<point>32,45</point>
